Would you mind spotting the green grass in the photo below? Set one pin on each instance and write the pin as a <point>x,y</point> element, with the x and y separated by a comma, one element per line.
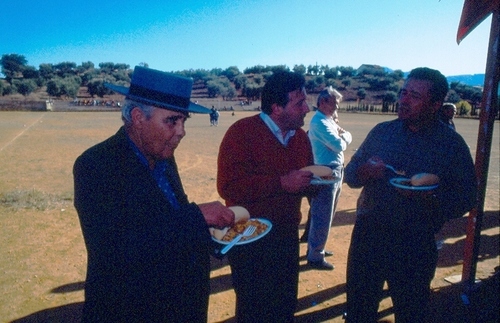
<point>34,199</point>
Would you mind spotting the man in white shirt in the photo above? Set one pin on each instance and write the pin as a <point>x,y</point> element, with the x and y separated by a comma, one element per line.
<point>328,142</point>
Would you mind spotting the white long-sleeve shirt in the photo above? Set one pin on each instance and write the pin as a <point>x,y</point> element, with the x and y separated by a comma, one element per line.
<point>327,144</point>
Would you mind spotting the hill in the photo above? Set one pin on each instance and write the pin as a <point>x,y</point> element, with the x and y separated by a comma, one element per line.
<point>470,79</point>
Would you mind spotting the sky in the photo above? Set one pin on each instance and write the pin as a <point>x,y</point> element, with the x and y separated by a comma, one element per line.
<point>175,35</point>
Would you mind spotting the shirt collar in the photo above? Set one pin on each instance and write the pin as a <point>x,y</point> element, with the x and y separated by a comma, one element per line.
<point>160,165</point>
<point>276,130</point>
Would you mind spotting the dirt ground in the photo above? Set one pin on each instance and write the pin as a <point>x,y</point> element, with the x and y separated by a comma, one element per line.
<point>43,258</point>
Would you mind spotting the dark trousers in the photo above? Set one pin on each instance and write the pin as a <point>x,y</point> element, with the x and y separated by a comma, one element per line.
<point>265,277</point>
<point>406,262</point>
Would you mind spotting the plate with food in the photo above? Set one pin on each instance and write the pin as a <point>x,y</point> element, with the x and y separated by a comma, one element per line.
<point>263,226</point>
<point>322,175</point>
<point>418,182</point>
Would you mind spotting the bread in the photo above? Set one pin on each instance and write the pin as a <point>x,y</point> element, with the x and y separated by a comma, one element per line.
<point>424,179</point>
<point>240,215</point>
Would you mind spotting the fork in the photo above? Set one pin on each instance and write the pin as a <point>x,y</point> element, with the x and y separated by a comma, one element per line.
<point>397,172</point>
<point>248,232</point>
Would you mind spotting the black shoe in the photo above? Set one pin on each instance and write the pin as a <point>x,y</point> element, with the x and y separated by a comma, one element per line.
<point>328,253</point>
<point>320,265</point>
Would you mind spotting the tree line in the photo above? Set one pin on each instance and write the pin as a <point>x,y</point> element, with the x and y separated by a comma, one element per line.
<point>63,80</point>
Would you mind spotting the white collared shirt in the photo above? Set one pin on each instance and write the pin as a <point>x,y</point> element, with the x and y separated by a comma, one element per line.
<point>276,130</point>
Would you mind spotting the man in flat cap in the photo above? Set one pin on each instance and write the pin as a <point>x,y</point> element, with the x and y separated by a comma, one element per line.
<point>148,247</point>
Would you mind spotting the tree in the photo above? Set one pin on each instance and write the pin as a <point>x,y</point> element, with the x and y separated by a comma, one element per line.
<point>67,87</point>
<point>310,85</point>
<point>378,83</point>
<point>313,69</point>
<point>258,69</point>
<point>87,66</point>
<point>214,88</point>
<point>279,68</point>
<point>252,91</point>
<point>240,81</point>
<point>70,86</point>
<point>332,73</point>
<point>389,99</point>
<point>258,79</point>
<point>46,71</point>
<point>231,72</point>
<point>12,66</point>
<point>228,93</point>
<point>300,69</point>
<point>30,72</point>
<point>397,75</point>
<point>53,87</point>
<point>463,108</point>
<point>96,87</point>
<point>346,71</point>
<point>319,80</point>
<point>9,89</point>
<point>452,96</point>
<point>216,71</point>
<point>25,87</point>
<point>346,82</point>
<point>65,69</point>
<point>361,94</point>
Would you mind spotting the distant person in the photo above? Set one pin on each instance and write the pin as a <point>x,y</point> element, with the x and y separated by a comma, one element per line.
<point>393,237</point>
<point>447,113</point>
<point>148,246</point>
<point>328,142</point>
<point>259,164</point>
<point>214,117</point>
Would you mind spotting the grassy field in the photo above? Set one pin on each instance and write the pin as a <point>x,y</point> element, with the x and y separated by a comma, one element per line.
<point>42,255</point>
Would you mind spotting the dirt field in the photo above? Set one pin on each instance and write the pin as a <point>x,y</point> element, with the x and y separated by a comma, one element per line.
<point>43,258</point>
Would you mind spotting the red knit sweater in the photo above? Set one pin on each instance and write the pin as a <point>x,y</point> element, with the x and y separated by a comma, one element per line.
<point>250,163</point>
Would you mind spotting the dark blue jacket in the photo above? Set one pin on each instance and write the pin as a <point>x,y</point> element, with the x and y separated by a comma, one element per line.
<point>146,261</point>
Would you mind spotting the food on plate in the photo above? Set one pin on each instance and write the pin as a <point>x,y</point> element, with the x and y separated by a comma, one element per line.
<point>239,227</point>
<point>240,214</point>
<point>424,179</point>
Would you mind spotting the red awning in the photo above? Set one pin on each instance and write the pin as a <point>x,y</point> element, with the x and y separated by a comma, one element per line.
<point>473,13</point>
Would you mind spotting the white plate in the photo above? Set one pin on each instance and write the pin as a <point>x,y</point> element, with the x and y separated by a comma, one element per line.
<point>265,221</point>
<point>316,180</point>
<point>318,170</point>
<point>397,182</point>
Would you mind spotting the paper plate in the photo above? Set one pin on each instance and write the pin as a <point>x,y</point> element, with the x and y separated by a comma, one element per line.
<point>241,242</point>
<point>318,170</point>
<point>401,182</point>
<point>319,181</point>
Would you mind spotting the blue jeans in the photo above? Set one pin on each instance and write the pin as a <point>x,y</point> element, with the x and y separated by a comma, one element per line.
<point>323,207</point>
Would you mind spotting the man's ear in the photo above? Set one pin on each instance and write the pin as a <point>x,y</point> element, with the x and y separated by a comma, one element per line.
<point>276,109</point>
<point>137,117</point>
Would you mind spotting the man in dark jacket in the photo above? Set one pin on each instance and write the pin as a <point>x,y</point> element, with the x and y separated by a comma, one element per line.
<point>148,247</point>
<point>393,237</point>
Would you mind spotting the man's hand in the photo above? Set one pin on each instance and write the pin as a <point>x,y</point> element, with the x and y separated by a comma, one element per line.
<point>373,169</point>
<point>217,215</point>
<point>296,181</point>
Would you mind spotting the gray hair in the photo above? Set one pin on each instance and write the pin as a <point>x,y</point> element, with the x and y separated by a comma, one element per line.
<point>327,93</point>
<point>129,105</point>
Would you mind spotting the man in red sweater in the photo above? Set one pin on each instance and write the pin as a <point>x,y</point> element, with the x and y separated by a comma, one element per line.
<point>259,166</point>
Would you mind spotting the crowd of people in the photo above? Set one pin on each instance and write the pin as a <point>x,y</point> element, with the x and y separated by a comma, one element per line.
<point>149,247</point>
